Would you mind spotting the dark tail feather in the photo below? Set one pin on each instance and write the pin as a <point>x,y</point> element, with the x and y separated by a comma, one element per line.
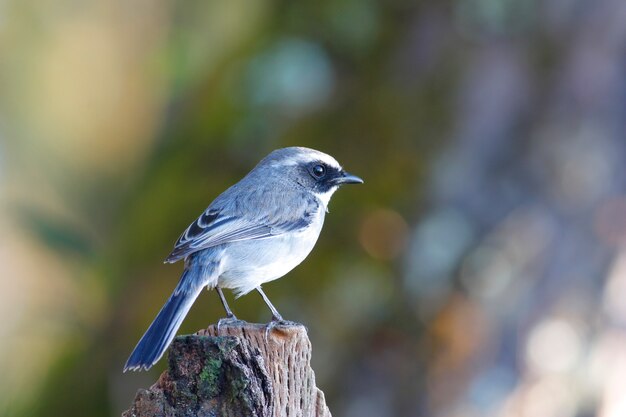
<point>163,329</point>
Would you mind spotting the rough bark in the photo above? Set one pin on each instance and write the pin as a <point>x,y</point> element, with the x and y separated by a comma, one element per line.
<point>238,373</point>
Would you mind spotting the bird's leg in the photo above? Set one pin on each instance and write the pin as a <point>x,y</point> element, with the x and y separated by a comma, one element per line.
<point>276,317</point>
<point>275,314</point>
<point>229,313</point>
<point>230,317</point>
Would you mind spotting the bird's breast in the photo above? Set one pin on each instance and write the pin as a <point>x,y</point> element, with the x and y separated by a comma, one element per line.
<point>248,264</point>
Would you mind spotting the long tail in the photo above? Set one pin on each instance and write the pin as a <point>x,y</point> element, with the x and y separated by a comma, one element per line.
<point>163,329</point>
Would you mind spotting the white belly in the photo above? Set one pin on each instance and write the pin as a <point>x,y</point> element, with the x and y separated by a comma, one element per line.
<point>247,264</point>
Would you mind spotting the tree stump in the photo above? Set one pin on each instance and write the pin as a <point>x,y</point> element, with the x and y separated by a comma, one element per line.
<point>236,373</point>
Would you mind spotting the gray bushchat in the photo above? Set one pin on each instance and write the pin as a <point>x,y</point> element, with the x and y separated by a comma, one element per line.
<point>254,232</point>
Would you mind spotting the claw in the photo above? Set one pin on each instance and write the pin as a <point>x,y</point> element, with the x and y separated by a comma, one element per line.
<point>277,320</point>
<point>270,326</point>
<point>228,320</point>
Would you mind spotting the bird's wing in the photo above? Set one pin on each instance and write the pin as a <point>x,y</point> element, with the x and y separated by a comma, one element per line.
<point>245,218</point>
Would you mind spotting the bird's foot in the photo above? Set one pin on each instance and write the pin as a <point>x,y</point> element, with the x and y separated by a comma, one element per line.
<point>277,320</point>
<point>228,321</point>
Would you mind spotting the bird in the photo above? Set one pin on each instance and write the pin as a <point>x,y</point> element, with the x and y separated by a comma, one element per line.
<point>255,232</point>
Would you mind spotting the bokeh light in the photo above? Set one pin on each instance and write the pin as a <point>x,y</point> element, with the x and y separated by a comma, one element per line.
<point>384,234</point>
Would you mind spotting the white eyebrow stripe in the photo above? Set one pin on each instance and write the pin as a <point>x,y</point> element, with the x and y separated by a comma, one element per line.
<point>309,156</point>
<point>328,160</point>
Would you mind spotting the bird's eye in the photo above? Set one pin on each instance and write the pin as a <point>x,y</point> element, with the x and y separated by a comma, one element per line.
<point>319,171</point>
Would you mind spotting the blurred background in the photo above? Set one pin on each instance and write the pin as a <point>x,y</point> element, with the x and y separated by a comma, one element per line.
<point>480,271</point>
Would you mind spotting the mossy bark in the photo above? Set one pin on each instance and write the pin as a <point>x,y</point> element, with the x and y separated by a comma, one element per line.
<point>238,373</point>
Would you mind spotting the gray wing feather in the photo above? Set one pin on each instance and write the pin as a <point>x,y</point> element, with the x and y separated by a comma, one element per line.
<point>245,215</point>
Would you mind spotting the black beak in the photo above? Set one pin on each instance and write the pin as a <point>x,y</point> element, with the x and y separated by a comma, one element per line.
<point>347,178</point>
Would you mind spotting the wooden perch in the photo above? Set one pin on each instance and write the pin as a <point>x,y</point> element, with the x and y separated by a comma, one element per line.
<point>238,373</point>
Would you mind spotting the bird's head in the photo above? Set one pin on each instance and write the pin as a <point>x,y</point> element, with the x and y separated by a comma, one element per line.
<point>316,171</point>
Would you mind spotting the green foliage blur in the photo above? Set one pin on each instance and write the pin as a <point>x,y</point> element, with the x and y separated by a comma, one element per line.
<point>477,272</point>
